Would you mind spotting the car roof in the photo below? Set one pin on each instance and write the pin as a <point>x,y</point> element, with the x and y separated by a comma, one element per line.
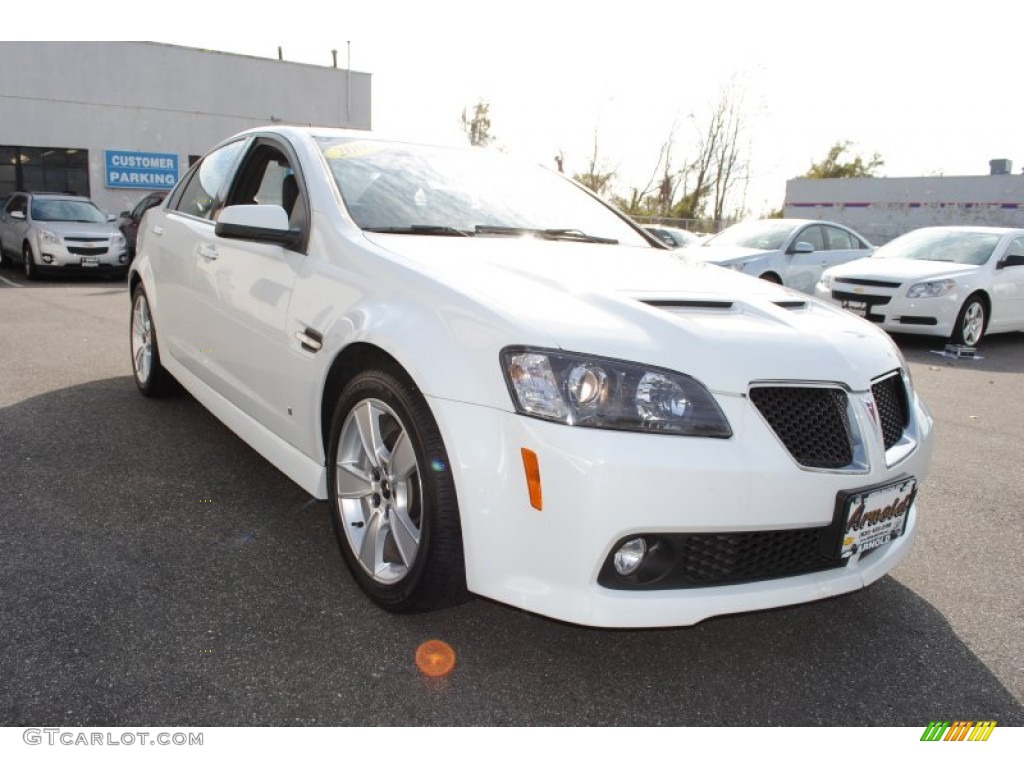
<point>973,228</point>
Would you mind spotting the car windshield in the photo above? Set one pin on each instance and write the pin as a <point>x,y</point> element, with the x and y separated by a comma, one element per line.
<point>420,190</point>
<point>763,235</point>
<point>66,210</point>
<point>941,245</point>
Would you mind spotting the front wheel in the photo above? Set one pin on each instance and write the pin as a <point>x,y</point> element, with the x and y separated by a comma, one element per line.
<point>970,323</point>
<point>150,376</point>
<point>31,271</point>
<point>392,496</point>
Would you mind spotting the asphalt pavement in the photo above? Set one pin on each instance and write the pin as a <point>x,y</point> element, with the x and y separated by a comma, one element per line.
<point>155,570</point>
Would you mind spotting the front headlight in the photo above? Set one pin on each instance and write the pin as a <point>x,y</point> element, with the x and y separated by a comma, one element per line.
<point>930,289</point>
<point>827,280</point>
<point>46,237</point>
<point>586,391</point>
<point>117,241</point>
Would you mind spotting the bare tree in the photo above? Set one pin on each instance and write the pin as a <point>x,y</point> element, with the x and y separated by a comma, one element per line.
<point>597,178</point>
<point>720,161</point>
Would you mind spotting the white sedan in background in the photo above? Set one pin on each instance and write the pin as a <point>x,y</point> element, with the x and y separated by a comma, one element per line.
<point>955,282</point>
<point>791,252</point>
<point>502,386</point>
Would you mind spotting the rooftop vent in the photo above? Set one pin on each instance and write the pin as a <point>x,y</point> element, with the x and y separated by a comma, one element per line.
<point>999,166</point>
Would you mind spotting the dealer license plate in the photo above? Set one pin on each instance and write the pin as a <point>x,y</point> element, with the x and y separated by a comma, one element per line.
<point>876,516</point>
<point>857,307</point>
<point>90,261</point>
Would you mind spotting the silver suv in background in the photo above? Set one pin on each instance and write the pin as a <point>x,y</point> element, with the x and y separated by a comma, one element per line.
<point>60,233</point>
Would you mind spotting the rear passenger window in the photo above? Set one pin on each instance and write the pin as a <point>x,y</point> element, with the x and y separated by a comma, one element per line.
<point>200,194</point>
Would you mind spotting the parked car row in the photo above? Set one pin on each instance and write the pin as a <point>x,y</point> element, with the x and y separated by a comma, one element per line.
<point>49,233</point>
<point>60,233</point>
<point>954,282</point>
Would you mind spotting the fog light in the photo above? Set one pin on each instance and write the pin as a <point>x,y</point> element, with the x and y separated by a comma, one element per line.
<point>47,258</point>
<point>123,258</point>
<point>629,556</point>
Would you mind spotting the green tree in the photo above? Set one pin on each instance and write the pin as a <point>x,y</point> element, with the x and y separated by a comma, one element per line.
<point>833,168</point>
<point>478,127</point>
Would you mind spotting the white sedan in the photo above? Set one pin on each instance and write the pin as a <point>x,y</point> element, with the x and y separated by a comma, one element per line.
<point>503,387</point>
<point>791,252</point>
<point>956,282</point>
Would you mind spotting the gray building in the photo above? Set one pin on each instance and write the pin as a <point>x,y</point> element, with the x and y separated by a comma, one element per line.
<point>118,120</point>
<point>883,208</point>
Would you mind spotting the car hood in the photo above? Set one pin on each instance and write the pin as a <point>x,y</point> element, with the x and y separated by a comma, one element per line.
<point>724,254</point>
<point>78,228</point>
<point>651,306</point>
<point>902,270</point>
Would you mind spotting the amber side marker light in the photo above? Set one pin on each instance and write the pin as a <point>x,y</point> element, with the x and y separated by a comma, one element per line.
<point>532,467</point>
<point>435,658</point>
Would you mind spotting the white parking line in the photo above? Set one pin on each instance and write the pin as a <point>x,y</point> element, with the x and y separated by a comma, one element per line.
<point>11,282</point>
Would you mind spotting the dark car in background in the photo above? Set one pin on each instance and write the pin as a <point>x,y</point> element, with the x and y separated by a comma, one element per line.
<point>128,222</point>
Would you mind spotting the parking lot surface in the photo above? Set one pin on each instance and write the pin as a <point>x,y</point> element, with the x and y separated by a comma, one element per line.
<point>156,570</point>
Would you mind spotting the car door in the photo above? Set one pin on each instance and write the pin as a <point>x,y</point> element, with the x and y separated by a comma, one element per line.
<point>13,229</point>
<point>175,237</point>
<point>1008,288</point>
<point>802,270</point>
<point>242,290</point>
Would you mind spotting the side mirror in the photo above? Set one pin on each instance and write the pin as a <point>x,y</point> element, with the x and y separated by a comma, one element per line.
<point>18,215</point>
<point>125,214</point>
<point>802,247</point>
<point>111,217</point>
<point>262,223</point>
<point>1014,260</point>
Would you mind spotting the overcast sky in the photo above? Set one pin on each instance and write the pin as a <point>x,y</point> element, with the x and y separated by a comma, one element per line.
<point>932,87</point>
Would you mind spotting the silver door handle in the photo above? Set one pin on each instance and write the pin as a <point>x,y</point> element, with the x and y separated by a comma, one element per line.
<point>207,251</point>
<point>157,229</point>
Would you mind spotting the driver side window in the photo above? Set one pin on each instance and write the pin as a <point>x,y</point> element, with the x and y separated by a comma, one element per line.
<point>812,235</point>
<point>267,178</point>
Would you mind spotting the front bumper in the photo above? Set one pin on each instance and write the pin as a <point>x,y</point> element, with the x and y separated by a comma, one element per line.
<point>895,313</point>
<point>81,257</point>
<point>600,486</point>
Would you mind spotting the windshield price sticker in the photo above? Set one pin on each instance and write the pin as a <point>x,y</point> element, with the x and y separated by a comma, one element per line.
<point>876,517</point>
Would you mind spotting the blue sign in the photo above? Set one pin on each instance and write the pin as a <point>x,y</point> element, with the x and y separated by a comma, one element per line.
<point>140,170</point>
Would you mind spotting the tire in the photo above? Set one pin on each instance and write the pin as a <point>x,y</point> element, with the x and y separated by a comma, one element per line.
<point>771,277</point>
<point>150,376</point>
<point>397,525</point>
<point>970,322</point>
<point>31,270</point>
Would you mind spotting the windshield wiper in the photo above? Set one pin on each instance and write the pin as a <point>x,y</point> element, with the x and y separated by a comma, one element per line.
<point>548,234</point>
<point>421,229</point>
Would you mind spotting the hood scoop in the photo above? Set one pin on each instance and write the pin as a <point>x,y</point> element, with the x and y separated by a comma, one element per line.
<point>687,303</point>
<point>791,304</point>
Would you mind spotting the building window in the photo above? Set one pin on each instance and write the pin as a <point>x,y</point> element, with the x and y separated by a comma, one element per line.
<point>44,169</point>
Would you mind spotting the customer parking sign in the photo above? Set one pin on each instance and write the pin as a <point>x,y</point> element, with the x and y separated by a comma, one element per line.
<point>140,170</point>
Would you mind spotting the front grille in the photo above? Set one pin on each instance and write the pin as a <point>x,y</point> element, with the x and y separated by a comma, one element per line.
<point>717,559</point>
<point>812,423</point>
<point>876,301</point>
<point>893,408</point>
<point>863,281</point>
<point>87,251</point>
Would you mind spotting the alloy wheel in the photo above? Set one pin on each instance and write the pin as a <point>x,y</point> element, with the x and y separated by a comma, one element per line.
<point>379,491</point>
